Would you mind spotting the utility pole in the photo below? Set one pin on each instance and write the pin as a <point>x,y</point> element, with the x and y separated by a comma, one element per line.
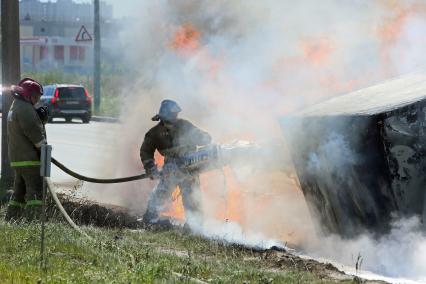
<point>11,74</point>
<point>97,57</point>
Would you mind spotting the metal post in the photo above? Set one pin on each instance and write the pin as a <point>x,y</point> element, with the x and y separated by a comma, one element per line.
<point>43,228</point>
<point>45,161</point>
<point>10,75</point>
<point>97,59</point>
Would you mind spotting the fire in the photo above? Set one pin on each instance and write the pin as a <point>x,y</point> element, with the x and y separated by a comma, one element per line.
<point>252,201</point>
<point>337,85</point>
<point>229,200</point>
<point>186,39</point>
<point>233,210</point>
<point>393,27</point>
<point>159,160</point>
<point>255,201</point>
<point>175,208</point>
<point>317,51</point>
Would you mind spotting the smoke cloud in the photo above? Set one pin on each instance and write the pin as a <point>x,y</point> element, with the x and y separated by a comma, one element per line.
<point>400,254</point>
<point>235,67</point>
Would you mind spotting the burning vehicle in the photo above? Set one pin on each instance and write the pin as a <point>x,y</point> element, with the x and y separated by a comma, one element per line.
<point>361,157</point>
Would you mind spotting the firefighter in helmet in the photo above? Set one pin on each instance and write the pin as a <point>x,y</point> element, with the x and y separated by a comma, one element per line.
<point>26,134</point>
<point>172,137</point>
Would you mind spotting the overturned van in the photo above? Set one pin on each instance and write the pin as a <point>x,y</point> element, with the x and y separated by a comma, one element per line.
<point>361,157</point>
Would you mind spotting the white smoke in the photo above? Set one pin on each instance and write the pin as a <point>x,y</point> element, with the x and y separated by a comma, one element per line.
<point>334,157</point>
<point>253,62</point>
<point>232,233</point>
<point>400,254</point>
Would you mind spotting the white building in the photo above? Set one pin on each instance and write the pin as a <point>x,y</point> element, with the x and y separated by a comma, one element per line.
<point>56,35</point>
<point>61,11</point>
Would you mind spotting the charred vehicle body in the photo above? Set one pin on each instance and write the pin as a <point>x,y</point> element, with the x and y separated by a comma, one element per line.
<point>361,157</point>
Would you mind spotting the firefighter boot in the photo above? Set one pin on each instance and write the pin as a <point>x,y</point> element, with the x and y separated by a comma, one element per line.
<point>33,210</point>
<point>149,218</point>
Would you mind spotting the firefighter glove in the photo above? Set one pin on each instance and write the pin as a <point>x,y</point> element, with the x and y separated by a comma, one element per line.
<point>43,113</point>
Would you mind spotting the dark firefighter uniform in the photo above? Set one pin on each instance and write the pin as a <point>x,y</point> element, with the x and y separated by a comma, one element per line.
<point>172,138</point>
<point>26,135</point>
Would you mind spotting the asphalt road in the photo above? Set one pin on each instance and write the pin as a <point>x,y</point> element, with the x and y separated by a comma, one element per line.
<point>80,147</point>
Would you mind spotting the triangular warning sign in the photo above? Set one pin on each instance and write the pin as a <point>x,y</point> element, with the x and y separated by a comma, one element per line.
<point>83,35</point>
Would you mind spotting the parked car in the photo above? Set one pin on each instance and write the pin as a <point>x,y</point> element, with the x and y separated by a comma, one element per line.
<point>67,101</point>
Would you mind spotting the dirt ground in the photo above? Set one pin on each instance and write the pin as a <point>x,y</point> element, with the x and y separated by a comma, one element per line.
<point>85,212</point>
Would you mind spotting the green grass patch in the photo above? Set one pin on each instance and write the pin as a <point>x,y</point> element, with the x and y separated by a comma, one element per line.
<point>132,256</point>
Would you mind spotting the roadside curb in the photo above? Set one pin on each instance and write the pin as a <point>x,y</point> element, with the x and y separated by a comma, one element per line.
<point>105,119</point>
<point>99,119</point>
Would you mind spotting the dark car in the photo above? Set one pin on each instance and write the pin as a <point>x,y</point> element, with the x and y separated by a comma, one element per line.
<point>67,101</point>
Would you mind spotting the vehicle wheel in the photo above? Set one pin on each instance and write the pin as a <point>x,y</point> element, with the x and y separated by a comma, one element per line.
<point>68,119</point>
<point>85,119</point>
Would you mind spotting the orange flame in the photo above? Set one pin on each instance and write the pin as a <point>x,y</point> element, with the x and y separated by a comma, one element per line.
<point>231,208</point>
<point>186,39</point>
<point>175,208</point>
<point>391,30</point>
<point>234,210</point>
<point>317,51</point>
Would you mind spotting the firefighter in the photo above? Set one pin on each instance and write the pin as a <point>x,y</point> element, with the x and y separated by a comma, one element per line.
<point>26,134</point>
<point>172,137</point>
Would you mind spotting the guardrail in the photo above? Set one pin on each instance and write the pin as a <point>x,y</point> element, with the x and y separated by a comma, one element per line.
<point>100,119</point>
<point>105,119</point>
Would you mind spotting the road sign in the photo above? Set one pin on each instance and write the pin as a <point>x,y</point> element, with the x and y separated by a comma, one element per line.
<point>83,35</point>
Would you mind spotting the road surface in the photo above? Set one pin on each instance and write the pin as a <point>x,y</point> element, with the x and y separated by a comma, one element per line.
<point>81,147</point>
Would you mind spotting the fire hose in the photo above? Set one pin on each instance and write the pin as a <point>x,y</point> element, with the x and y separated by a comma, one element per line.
<point>97,180</point>
<point>52,191</point>
<point>213,156</point>
<point>196,159</point>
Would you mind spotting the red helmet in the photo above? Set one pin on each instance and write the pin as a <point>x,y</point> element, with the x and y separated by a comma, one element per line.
<point>27,87</point>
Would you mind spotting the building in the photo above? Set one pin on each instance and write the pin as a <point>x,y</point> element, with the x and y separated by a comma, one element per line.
<point>58,35</point>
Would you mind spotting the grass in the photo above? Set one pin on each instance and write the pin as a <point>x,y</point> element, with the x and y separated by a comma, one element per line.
<point>124,256</point>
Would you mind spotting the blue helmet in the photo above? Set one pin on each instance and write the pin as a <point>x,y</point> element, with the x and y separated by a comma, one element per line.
<point>168,111</point>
